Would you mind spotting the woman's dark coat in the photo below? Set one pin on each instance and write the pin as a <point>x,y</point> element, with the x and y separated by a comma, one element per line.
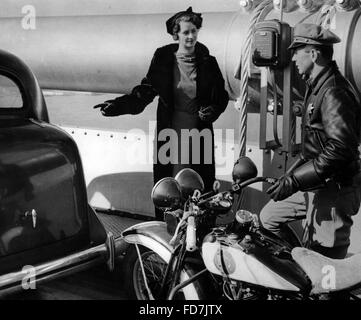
<point>159,81</point>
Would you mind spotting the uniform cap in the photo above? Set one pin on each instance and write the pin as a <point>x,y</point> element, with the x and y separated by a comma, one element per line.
<point>308,33</point>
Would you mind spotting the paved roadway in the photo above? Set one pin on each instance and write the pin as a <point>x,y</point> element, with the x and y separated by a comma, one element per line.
<point>94,284</point>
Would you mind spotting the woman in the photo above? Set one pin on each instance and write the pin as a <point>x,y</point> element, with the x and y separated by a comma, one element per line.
<point>191,93</point>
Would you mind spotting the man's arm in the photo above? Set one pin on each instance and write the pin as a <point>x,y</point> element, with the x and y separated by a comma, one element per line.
<point>340,117</point>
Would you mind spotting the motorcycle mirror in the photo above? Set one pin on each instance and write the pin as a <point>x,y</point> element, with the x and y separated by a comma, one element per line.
<point>244,169</point>
<point>189,180</point>
<point>167,193</point>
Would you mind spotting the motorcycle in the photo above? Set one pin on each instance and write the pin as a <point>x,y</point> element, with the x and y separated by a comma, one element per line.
<point>189,256</point>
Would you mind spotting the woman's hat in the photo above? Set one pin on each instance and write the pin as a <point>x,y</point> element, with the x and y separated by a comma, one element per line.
<point>171,21</point>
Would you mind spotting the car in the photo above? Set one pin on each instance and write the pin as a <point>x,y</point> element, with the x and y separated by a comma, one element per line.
<point>47,227</point>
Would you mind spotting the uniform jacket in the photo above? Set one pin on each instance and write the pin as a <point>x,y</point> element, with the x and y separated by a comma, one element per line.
<point>331,126</point>
<point>159,82</point>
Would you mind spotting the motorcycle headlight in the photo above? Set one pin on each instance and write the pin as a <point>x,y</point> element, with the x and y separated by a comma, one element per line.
<point>167,193</point>
<point>244,169</point>
<point>189,180</point>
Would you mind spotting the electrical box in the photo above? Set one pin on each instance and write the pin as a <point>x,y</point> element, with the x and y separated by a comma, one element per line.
<point>271,39</point>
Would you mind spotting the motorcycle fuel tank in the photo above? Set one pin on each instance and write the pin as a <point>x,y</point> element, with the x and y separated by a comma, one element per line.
<point>245,259</point>
<point>43,211</point>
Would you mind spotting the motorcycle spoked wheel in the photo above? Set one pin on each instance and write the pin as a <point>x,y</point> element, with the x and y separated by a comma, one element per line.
<point>155,268</point>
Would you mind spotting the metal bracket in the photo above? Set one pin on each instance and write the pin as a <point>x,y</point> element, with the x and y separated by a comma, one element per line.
<point>288,142</point>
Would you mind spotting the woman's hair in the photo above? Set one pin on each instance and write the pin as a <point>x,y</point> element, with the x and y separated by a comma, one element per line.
<point>188,17</point>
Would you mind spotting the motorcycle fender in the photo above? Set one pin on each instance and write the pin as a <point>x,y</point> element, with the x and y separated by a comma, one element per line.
<point>153,235</point>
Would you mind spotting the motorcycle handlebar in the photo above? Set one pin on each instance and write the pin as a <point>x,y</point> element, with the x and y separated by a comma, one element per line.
<point>237,187</point>
<point>191,234</point>
<point>251,181</point>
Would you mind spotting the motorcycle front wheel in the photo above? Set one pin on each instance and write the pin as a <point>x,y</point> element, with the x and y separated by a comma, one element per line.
<point>154,268</point>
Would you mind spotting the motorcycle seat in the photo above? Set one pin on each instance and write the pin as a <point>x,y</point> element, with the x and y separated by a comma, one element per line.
<point>326,274</point>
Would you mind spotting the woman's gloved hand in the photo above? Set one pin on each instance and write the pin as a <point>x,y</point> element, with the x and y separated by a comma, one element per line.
<point>208,114</point>
<point>107,108</point>
<point>119,106</point>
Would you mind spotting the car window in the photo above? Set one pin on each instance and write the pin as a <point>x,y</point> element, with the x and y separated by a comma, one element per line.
<point>10,95</point>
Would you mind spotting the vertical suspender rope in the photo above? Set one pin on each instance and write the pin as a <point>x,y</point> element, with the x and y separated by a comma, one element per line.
<point>259,14</point>
<point>325,16</point>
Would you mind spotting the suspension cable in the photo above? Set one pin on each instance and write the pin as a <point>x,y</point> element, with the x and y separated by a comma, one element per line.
<point>259,14</point>
<point>325,15</point>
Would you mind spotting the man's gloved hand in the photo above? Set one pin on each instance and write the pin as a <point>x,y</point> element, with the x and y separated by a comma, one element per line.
<point>284,187</point>
<point>208,114</point>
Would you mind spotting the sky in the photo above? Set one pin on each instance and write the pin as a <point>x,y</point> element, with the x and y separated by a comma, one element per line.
<point>13,8</point>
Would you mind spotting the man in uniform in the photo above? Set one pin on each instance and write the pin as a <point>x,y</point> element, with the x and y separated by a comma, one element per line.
<point>325,187</point>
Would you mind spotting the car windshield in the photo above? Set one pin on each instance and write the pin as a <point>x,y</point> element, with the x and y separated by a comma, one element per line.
<point>10,95</point>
